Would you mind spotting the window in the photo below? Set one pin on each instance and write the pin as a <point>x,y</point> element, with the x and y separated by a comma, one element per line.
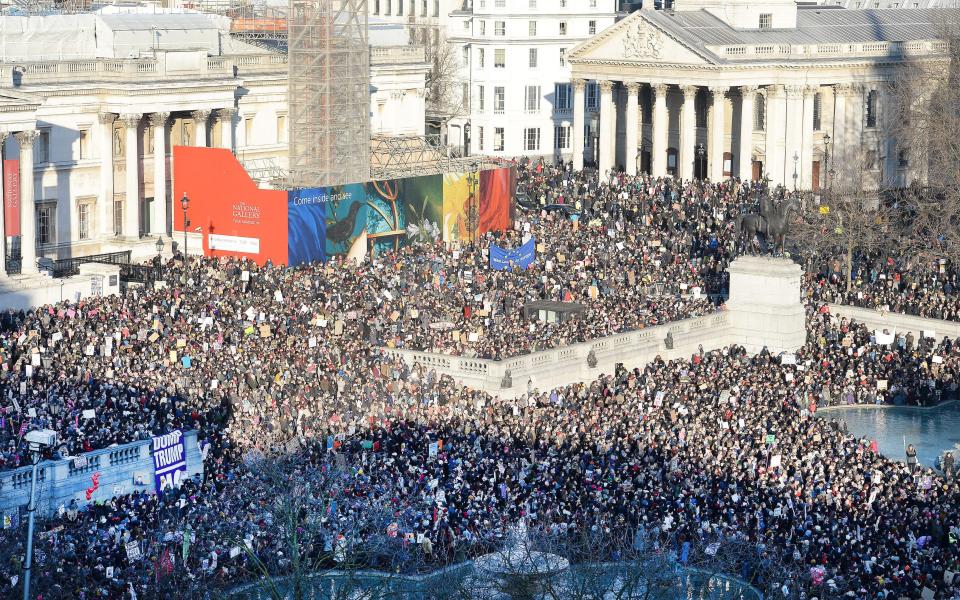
<point>500,28</point>
<point>532,95</point>
<point>388,11</point>
<point>592,99</point>
<point>817,111</point>
<point>563,3</point>
<point>481,57</point>
<point>562,96</point>
<point>531,138</point>
<point>84,223</point>
<point>481,98</point>
<point>760,113</point>
<point>46,223</point>
<point>562,137</point>
<point>563,28</point>
<point>766,21</point>
<point>498,139</point>
<point>83,144</point>
<point>399,8</point>
<point>413,8</point>
<point>281,129</point>
<point>532,4</point>
<point>593,3</point>
<point>498,100</point>
<point>466,25</point>
<point>483,27</point>
<point>436,8</point>
<point>248,130</point>
<point>499,58</point>
<point>500,3</point>
<point>563,57</point>
<point>117,217</point>
<point>871,160</point>
<point>480,139</point>
<point>532,28</point>
<point>376,7</point>
<point>465,94</point>
<point>465,56</point>
<point>872,98</point>
<point>592,27</point>
<point>533,58</point>
<point>41,147</point>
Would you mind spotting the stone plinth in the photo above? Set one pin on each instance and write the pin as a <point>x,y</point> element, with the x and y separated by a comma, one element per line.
<point>765,307</point>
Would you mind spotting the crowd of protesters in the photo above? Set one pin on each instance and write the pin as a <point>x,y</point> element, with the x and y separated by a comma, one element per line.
<point>264,361</point>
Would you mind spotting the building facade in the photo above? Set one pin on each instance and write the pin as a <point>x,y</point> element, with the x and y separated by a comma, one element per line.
<point>88,139</point>
<point>515,72</point>
<point>749,89</point>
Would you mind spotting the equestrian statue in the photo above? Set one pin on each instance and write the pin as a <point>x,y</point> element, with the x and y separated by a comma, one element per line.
<point>772,223</point>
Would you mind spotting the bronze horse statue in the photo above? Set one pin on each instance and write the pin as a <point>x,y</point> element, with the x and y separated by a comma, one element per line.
<point>772,223</point>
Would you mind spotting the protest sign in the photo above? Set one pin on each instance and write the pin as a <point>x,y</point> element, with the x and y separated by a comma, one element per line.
<point>169,460</point>
<point>522,257</point>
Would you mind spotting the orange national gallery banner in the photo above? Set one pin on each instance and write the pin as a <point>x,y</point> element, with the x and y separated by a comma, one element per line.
<point>234,216</point>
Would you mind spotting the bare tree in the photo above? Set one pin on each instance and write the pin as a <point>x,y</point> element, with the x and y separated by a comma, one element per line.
<point>444,84</point>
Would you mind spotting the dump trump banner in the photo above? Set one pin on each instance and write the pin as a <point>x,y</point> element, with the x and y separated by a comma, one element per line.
<point>169,460</point>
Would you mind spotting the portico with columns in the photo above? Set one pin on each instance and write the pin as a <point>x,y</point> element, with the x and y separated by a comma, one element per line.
<point>705,98</point>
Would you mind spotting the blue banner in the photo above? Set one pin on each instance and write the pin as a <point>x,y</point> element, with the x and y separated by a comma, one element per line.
<point>521,257</point>
<point>169,460</point>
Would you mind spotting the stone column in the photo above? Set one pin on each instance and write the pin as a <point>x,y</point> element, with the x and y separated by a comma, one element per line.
<point>606,131</point>
<point>200,120</point>
<point>776,134</point>
<point>158,211</point>
<point>806,145</point>
<point>717,132</point>
<point>888,146</point>
<point>839,143</point>
<point>578,123</point>
<point>793,136</point>
<point>748,96</point>
<point>688,131</point>
<point>3,227</point>
<point>633,127</point>
<point>227,139</point>
<point>131,204</point>
<point>658,159</point>
<point>105,206</point>
<point>28,209</point>
<point>853,153</point>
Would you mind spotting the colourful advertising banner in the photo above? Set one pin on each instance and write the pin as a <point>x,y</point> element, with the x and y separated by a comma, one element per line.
<point>11,197</point>
<point>234,216</point>
<point>307,225</point>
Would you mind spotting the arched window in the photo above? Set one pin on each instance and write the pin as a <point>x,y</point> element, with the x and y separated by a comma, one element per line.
<point>760,113</point>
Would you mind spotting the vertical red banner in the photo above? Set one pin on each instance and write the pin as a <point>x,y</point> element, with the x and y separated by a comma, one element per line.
<point>11,197</point>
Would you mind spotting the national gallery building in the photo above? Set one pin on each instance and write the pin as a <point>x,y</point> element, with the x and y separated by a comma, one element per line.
<point>752,89</point>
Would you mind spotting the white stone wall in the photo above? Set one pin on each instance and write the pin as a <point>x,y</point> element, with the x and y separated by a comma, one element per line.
<point>476,32</point>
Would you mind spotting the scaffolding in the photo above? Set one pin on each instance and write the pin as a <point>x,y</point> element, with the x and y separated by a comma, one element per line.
<point>395,157</point>
<point>329,92</point>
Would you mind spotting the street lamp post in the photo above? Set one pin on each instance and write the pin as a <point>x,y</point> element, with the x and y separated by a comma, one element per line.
<point>37,440</point>
<point>472,215</point>
<point>796,174</point>
<point>826,159</point>
<point>700,151</point>
<point>159,246</point>
<point>185,205</point>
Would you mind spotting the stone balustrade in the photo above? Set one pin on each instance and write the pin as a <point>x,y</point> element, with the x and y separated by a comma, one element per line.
<point>168,65</point>
<point>898,322</point>
<point>123,470</point>
<point>569,364</point>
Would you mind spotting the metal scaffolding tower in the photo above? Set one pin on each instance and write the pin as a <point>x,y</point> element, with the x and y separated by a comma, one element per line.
<point>329,92</point>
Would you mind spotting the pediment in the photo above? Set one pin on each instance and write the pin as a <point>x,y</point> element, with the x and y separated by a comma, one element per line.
<point>635,40</point>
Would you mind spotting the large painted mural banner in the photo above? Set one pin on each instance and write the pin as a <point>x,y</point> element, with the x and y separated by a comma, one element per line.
<point>495,195</point>
<point>233,216</point>
<point>423,197</point>
<point>306,225</point>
